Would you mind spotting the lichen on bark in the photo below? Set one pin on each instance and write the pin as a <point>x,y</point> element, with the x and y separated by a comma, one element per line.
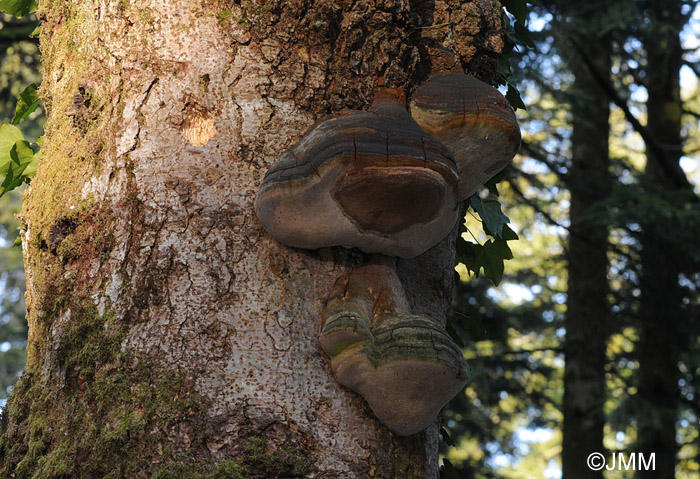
<point>169,335</point>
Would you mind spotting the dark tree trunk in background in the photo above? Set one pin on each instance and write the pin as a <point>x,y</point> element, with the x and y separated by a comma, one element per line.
<point>587,303</point>
<point>661,338</point>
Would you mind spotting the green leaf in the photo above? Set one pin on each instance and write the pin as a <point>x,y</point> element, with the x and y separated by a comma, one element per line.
<point>35,33</point>
<point>26,104</point>
<point>12,179</point>
<point>447,470</point>
<point>489,256</point>
<point>513,97</point>
<point>22,153</point>
<point>493,182</point>
<point>504,69</point>
<point>467,255</point>
<point>523,35</point>
<point>22,158</point>
<point>492,255</point>
<point>446,437</point>
<point>509,234</point>
<point>9,135</point>
<point>18,241</point>
<point>518,8</point>
<point>30,171</point>
<point>491,214</point>
<point>18,8</point>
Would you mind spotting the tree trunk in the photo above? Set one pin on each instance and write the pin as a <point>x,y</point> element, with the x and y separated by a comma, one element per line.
<point>587,308</point>
<point>661,316</point>
<point>170,336</point>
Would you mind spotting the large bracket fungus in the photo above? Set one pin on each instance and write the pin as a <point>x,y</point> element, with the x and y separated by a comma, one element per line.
<point>372,180</point>
<point>473,120</point>
<point>387,183</point>
<point>389,356</point>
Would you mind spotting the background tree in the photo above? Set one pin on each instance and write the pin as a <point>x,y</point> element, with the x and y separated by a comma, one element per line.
<point>587,308</point>
<point>664,330</point>
<point>541,181</point>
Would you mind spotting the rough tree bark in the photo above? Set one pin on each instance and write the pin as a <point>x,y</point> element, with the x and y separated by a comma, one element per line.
<point>587,305</point>
<point>170,336</point>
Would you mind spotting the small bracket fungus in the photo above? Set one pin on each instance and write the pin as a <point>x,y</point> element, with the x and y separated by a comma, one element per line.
<point>366,179</point>
<point>405,366</point>
<point>473,120</point>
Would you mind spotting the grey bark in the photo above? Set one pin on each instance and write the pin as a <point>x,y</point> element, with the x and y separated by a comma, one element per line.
<point>139,228</point>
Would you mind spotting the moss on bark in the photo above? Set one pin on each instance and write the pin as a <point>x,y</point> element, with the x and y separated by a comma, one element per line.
<point>107,411</point>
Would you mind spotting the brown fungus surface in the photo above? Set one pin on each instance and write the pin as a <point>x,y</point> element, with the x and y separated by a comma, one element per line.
<point>372,180</point>
<point>387,355</point>
<point>473,120</point>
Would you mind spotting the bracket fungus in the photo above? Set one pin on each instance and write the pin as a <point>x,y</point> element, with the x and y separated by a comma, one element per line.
<point>404,365</point>
<point>373,180</point>
<point>473,120</point>
<point>387,183</point>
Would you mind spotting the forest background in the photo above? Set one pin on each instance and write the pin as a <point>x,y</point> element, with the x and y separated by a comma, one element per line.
<point>590,341</point>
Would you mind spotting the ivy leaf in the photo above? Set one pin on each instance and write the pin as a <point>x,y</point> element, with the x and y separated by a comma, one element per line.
<point>9,135</point>
<point>22,153</point>
<point>504,68</point>
<point>509,234</point>
<point>523,34</point>
<point>467,255</point>
<point>34,164</point>
<point>518,8</point>
<point>493,182</point>
<point>26,104</point>
<point>447,470</point>
<point>12,179</point>
<point>491,214</point>
<point>18,8</point>
<point>492,254</point>
<point>22,158</point>
<point>489,257</point>
<point>446,437</point>
<point>513,97</point>
<point>31,168</point>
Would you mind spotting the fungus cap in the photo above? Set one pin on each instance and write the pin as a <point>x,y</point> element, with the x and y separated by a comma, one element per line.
<point>373,180</point>
<point>404,365</point>
<point>473,120</point>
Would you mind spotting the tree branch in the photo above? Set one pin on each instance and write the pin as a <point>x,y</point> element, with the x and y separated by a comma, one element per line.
<point>691,113</point>
<point>530,351</point>
<point>652,144</point>
<point>518,192</point>
<point>541,156</point>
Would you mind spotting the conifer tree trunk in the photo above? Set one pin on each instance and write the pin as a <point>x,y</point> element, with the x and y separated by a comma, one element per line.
<point>170,336</point>
<point>661,327</point>
<point>587,309</point>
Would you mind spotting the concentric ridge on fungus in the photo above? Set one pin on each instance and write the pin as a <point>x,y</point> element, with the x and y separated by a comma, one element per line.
<point>387,355</point>
<point>473,120</point>
<point>366,179</point>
